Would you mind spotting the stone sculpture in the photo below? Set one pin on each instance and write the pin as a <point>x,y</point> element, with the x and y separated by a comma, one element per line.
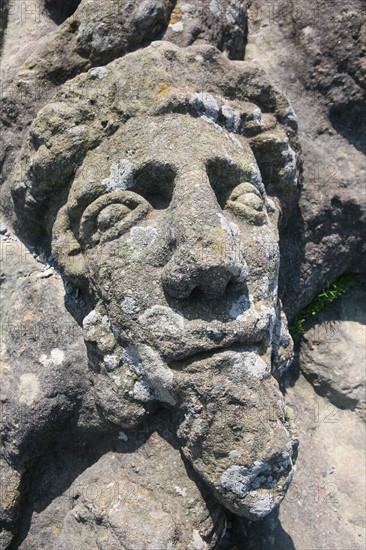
<point>151,184</point>
<point>151,194</point>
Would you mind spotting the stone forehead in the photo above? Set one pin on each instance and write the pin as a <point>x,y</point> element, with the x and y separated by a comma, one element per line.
<point>186,144</point>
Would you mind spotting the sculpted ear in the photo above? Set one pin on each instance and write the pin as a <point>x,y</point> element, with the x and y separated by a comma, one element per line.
<point>66,249</point>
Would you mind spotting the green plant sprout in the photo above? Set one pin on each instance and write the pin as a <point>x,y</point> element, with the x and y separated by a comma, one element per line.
<point>332,291</point>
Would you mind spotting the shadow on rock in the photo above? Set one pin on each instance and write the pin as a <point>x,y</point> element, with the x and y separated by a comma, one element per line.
<point>265,534</point>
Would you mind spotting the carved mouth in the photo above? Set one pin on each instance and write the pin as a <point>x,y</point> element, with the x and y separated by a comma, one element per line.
<point>203,340</point>
<point>215,353</point>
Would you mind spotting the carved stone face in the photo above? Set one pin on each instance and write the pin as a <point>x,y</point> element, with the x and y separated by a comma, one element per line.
<point>173,229</point>
<point>167,226</point>
<point>178,236</point>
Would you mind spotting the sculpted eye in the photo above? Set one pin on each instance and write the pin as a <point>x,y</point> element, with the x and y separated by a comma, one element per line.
<point>110,216</point>
<point>246,201</point>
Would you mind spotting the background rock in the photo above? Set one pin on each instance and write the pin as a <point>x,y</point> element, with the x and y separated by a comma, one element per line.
<point>314,54</point>
<point>302,48</point>
<point>333,352</point>
<point>141,495</point>
<point>220,23</point>
<point>43,366</point>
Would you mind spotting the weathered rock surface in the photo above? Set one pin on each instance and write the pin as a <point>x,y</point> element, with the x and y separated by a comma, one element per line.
<point>138,496</point>
<point>324,506</point>
<point>101,131</point>
<point>333,352</point>
<point>310,41</point>
<point>108,147</point>
<point>95,34</point>
<point>222,24</point>
<point>49,42</point>
<point>161,173</point>
<point>94,106</point>
<point>302,49</point>
<point>43,367</point>
<point>226,399</point>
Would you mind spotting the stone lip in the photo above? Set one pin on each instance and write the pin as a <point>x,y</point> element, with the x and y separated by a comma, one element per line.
<point>212,338</point>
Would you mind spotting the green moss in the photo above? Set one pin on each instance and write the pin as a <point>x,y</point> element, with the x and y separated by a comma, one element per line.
<point>347,16</point>
<point>73,25</point>
<point>332,291</point>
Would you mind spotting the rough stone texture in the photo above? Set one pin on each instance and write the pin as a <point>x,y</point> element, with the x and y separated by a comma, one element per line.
<point>49,42</point>
<point>332,39</point>
<point>161,346</point>
<point>220,23</point>
<point>43,367</point>
<point>95,34</point>
<point>308,66</point>
<point>139,496</point>
<point>325,356</point>
<point>226,400</point>
<point>314,53</point>
<point>325,505</point>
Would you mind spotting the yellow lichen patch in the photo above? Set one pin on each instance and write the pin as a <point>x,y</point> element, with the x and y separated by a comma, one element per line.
<point>31,315</point>
<point>176,15</point>
<point>26,67</point>
<point>10,486</point>
<point>265,357</point>
<point>164,89</point>
<point>56,531</point>
<point>289,413</point>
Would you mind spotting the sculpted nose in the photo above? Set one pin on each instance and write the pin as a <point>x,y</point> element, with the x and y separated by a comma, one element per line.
<point>208,252</point>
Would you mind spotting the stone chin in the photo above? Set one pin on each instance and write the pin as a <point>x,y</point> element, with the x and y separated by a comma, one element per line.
<point>255,492</point>
<point>233,429</point>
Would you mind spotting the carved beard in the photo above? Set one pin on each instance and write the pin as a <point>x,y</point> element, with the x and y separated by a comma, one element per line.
<point>230,390</point>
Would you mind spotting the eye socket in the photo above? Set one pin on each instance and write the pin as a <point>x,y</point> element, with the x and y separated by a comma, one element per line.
<point>110,216</point>
<point>244,200</point>
<point>223,178</point>
<point>247,202</point>
<point>155,182</point>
